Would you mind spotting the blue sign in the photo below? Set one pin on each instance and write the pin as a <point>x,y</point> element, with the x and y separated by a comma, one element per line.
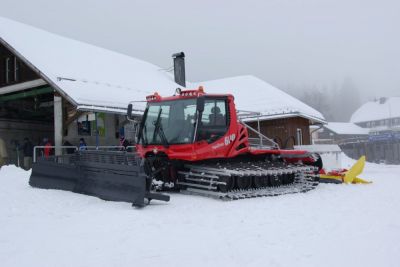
<point>391,136</point>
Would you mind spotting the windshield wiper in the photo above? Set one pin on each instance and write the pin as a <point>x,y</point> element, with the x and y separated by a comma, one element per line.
<point>159,130</point>
<point>143,129</point>
<point>145,141</point>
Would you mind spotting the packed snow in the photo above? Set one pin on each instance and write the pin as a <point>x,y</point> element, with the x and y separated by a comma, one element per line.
<point>334,225</point>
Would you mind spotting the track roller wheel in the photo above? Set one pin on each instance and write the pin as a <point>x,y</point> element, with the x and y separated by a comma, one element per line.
<point>274,180</point>
<point>229,184</point>
<point>243,182</point>
<point>260,181</point>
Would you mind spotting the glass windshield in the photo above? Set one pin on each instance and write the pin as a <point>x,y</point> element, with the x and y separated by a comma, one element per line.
<point>175,120</point>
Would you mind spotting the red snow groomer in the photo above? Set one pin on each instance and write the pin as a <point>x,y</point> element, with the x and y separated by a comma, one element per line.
<point>195,142</point>
<point>191,142</point>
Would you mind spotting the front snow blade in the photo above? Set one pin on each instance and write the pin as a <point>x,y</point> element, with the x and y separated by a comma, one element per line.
<point>109,175</point>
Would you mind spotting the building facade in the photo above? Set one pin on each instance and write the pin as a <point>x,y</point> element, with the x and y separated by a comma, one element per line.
<point>381,118</point>
<point>286,132</point>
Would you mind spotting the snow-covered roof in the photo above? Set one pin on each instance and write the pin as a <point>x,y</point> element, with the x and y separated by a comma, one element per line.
<point>254,94</point>
<point>89,76</point>
<point>346,128</point>
<point>94,78</point>
<point>383,108</point>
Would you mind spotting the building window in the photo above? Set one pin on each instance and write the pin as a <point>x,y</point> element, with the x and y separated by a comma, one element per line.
<point>16,69</point>
<point>299,137</point>
<point>85,125</point>
<point>8,69</point>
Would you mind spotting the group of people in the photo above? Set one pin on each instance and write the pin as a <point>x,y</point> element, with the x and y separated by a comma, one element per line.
<point>70,148</point>
<point>83,146</point>
<point>26,148</point>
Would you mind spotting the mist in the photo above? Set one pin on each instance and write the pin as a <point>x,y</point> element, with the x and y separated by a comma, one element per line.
<point>299,46</point>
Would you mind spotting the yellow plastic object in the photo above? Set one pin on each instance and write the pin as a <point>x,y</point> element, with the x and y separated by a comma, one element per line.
<point>331,178</point>
<point>348,177</point>
<point>351,175</point>
<point>358,180</point>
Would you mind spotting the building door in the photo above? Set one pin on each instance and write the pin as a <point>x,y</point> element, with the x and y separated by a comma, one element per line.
<point>299,137</point>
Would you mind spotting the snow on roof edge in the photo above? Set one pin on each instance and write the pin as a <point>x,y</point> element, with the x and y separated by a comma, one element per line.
<point>346,128</point>
<point>266,92</point>
<point>14,35</point>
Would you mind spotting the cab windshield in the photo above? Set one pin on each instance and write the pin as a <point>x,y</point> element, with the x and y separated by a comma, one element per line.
<point>174,120</point>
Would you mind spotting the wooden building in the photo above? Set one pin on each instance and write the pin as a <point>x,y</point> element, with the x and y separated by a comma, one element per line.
<point>286,132</point>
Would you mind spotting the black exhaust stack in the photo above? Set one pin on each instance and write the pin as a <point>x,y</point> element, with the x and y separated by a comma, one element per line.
<point>179,68</point>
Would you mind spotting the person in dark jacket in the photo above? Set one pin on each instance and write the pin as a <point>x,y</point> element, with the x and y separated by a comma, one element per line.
<point>70,149</point>
<point>27,150</point>
<point>123,142</point>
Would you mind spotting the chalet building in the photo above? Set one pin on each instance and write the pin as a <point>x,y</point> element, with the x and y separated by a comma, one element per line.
<point>380,114</point>
<point>381,118</point>
<point>64,90</point>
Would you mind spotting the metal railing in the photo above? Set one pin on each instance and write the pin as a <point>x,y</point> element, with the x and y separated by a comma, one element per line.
<point>36,149</point>
<point>259,142</point>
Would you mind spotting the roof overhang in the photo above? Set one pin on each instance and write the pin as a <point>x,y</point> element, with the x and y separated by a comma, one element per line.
<point>108,109</point>
<point>37,71</point>
<point>22,86</point>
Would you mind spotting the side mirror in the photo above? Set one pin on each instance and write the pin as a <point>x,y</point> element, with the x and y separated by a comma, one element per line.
<point>129,112</point>
<point>200,103</point>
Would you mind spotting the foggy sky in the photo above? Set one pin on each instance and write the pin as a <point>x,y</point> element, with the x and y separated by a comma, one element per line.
<point>289,43</point>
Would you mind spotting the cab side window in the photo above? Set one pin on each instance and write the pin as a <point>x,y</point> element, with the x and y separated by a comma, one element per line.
<point>214,121</point>
<point>214,113</point>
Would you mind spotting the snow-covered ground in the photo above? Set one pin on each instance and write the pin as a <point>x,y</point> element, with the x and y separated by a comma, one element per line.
<point>334,225</point>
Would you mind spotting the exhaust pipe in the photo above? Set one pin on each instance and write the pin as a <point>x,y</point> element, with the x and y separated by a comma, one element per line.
<point>179,68</point>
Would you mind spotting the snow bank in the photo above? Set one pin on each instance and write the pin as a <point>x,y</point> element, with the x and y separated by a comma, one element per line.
<point>334,225</point>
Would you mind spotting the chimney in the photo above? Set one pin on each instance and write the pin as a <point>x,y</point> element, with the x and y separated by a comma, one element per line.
<point>179,68</point>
